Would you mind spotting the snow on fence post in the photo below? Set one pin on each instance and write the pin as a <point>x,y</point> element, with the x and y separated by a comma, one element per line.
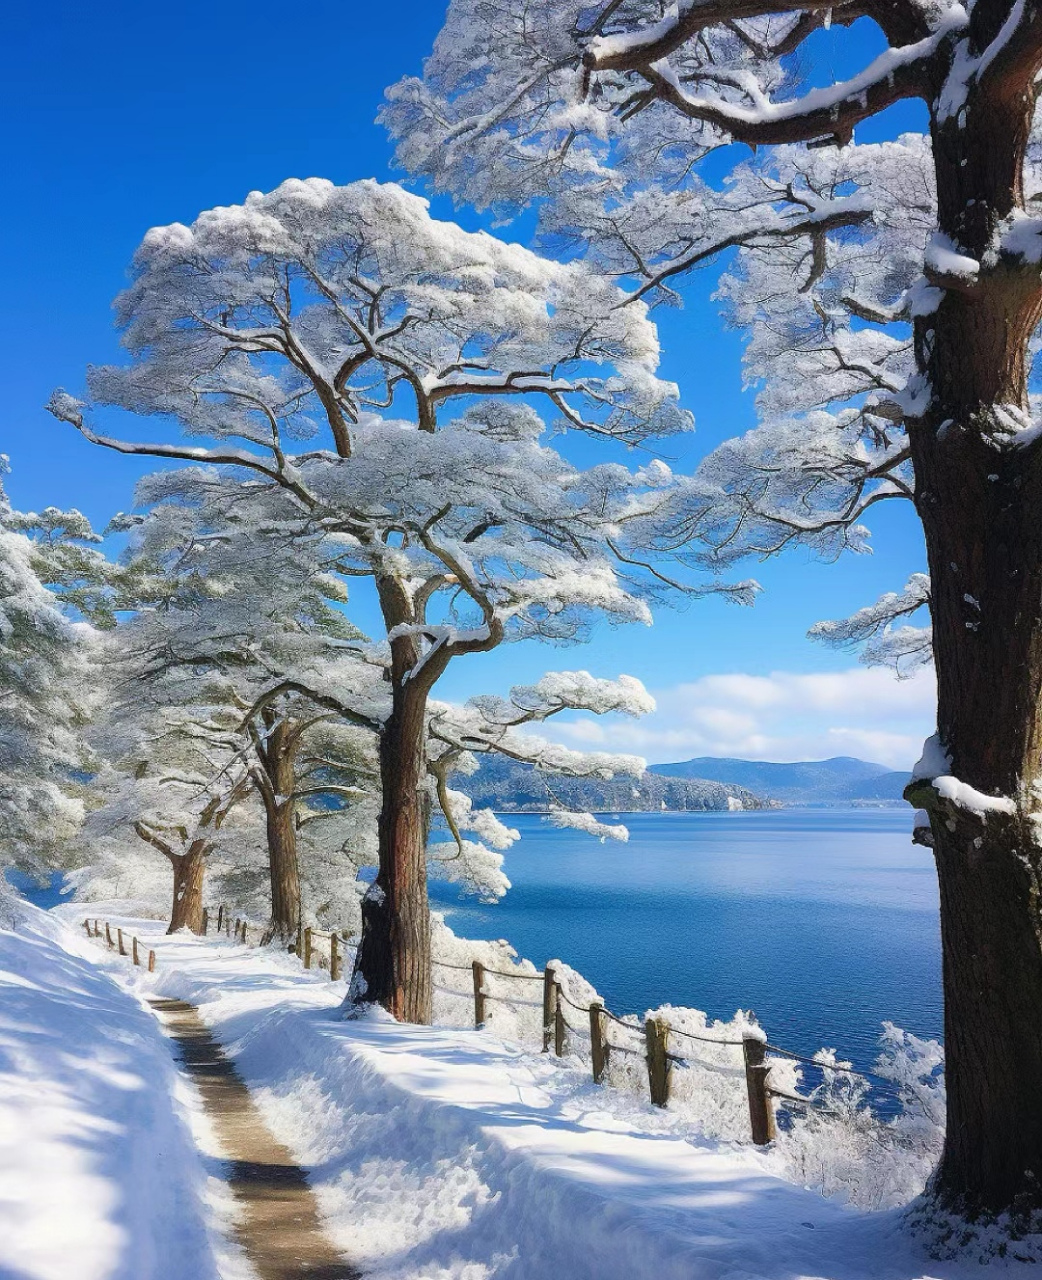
<point>108,935</point>
<point>656,1037</point>
<point>479,992</point>
<point>307,948</point>
<point>151,962</point>
<point>559,1024</point>
<point>220,917</point>
<point>757,1068</point>
<point>549,1006</point>
<point>334,957</point>
<point>133,950</point>
<point>206,922</point>
<point>598,1040</point>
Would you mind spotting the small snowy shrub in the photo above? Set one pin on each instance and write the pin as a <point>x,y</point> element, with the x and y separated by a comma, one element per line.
<point>840,1146</point>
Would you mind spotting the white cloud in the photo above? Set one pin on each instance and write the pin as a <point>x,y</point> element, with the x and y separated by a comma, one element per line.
<point>784,716</point>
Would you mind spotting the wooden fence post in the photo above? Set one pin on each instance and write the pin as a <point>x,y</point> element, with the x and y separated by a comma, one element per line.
<point>598,1040</point>
<point>307,948</point>
<point>119,935</point>
<point>757,1068</point>
<point>133,948</point>
<point>108,935</point>
<point>479,992</point>
<point>227,924</point>
<point>334,957</point>
<point>97,929</point>
<point>656,1037</point>
<point>559,1025</point>
<point>206,922</point>
<point>244,927</point>
<point>549,1006</point>
<point>151,962</point>
<point>238,925</point>
<point>220,917</point>
<point>86,925</point>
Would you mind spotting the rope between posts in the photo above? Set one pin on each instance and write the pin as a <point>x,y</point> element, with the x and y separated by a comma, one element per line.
<point>628,1026</point>
<point>497,973</point>
<point>690,1035</point>
<point>885,1086</point>
<point>579,1031</point>
<point>571,1003</point>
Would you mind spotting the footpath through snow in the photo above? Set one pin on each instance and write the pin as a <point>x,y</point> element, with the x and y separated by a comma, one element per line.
<point>436,1154</point>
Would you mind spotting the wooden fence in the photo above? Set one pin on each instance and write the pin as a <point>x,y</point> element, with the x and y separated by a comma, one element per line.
<point>660,1044</point>
<point>656,1040</point>
<point>118,943</point>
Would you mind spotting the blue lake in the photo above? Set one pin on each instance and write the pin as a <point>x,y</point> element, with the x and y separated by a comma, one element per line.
<point>824,922</point>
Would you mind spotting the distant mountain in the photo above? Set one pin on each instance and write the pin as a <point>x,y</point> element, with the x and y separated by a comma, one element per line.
<point>511,787</point>
<point>841,780</point>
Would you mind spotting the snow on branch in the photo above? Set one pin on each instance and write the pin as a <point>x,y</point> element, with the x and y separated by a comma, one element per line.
<point>874,630</point>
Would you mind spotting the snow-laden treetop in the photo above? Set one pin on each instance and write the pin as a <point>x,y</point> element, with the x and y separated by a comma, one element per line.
<point>303,307</point>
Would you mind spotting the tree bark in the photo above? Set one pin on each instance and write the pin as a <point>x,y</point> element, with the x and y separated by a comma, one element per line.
<point>979,495</point>
<point>276,757</point>
<point>393,961</point>
<point>393,964</point>
<point>189,873</point>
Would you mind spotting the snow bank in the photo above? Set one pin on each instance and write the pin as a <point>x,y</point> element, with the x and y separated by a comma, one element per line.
<point>444,1153</point>
<point>100,1175</point>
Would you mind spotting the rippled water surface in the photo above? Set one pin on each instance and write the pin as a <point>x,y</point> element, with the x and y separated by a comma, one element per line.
<point>822,921</point>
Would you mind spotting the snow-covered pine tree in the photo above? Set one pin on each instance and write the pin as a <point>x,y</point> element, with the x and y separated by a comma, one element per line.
<point>300,314</point>
<point>608,108</point>
<point>167,778</point>
<point>43,700</point>
<point>224,608</point>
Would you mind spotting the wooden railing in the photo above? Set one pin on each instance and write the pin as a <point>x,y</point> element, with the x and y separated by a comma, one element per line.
<point>655,1039</point>
<point>117,943</point>
<point>660,1044</point>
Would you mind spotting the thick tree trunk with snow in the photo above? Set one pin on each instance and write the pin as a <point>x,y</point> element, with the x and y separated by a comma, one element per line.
<point>394,957</point>
<point>393,962</point>
<point>277,759</point>
<point>979,493</point>
<point>189,873</point>
<point>284,871</point>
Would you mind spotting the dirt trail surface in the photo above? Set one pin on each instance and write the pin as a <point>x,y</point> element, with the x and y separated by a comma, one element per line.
<point>279,1228</point>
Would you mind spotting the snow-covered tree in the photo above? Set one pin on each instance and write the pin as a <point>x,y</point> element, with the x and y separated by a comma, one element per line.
<point>43,700</point>
<point>297,315</point>
<point>223,610</point>
<point>893,307</point>
<point>167,779</point>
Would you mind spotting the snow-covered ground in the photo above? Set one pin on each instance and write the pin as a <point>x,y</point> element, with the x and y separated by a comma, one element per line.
<point>107,1169</point>
<point>436,1153</point>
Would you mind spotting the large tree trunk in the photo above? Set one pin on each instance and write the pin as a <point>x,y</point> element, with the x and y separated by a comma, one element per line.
<point>393,965</point>
<point>393,962</point>
<point>189,871</point>
<point>979,493</point>
<point>280,816</point>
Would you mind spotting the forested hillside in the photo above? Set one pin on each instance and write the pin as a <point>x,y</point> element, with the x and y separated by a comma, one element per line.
<point>504,785</point>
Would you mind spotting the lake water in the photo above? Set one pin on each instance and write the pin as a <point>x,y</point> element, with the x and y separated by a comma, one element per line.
<point>824,922</point>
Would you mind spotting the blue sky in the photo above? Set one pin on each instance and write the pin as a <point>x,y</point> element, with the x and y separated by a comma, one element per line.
<point>121,116</point>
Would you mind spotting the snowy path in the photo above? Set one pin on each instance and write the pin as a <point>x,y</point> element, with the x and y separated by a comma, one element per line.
<point>104,1165</point>
<point>279,1229</point>
<point>434,1153</point>
<point>444,1154</point>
